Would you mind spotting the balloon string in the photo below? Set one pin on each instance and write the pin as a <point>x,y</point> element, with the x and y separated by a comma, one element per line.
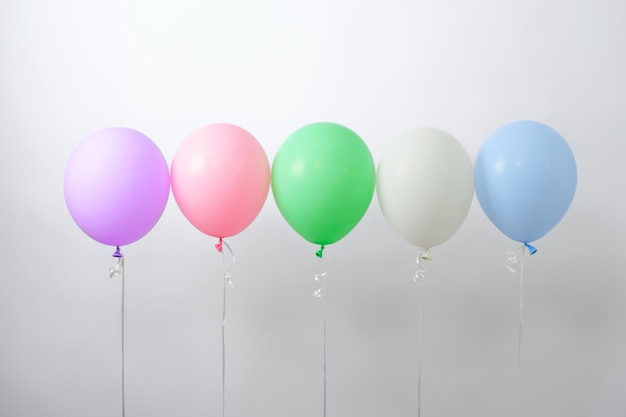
<point>512,264</point>
<point>227,283</point>
<point>521,316</point>
<point>324,360</point>
<point>114,271</point>
<point>420,274</point>
<point>224,347</point>
<point>419,350</point>
<point>320,292</point>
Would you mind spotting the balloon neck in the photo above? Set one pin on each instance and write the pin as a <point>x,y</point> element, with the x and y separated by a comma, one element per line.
<point>117,253</point>
<point>531,249</point>
<point>425,255</point>
<point>320,253</point>
<point>218,245</point>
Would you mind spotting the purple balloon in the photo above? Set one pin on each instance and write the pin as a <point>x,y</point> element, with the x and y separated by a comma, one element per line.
<point>116,185</point>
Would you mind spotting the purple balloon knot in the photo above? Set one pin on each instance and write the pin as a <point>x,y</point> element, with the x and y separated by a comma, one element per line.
<point>531,249</point>
<point>320,253</point>
<point>117,253</point>
<point>218,245</point>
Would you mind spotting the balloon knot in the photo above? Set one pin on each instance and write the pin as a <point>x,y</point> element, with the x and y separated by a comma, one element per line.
<point>320,253</point>
<point>117,253</point>
<point>425,255</point>
<point>218,245</point>
<point>531,249</point>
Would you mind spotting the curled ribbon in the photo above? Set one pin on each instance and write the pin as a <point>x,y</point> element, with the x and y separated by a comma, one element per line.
<point>228,277</point>
<point>321,280</point>
<point>118,268</point>
<point>511,261</point>
<point>420,272</point>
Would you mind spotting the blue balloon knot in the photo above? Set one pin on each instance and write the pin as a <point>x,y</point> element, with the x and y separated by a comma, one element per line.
<point>531,248</point>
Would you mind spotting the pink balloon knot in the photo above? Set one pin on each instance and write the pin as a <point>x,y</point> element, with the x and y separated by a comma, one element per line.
<point>218,245</point>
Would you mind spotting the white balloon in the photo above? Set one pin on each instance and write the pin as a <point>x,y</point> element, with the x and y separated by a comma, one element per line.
<point>425,186</point>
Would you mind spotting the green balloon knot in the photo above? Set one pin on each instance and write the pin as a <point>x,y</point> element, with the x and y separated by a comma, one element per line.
<point>320,253</point>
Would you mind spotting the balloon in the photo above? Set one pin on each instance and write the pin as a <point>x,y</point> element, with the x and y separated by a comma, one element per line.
<point>220,179</point>
<point>425,186</point>
<point>525,177</point>
<point>116,185</point>
<point>323,180</point>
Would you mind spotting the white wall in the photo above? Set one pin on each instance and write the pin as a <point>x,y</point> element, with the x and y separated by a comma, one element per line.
<point>70,67</point>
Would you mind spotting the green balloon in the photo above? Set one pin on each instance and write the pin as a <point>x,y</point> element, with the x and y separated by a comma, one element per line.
<point>323,180</point>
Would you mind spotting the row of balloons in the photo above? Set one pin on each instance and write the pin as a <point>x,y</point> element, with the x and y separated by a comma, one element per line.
<point>323,177</point>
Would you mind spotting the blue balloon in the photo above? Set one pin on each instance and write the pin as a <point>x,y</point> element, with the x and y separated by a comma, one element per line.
<point>525,179</point>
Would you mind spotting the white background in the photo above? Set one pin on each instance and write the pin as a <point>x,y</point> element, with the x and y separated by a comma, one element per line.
<point>68,68</point>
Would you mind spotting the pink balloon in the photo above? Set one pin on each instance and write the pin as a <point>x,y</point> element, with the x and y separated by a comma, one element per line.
<point>220,179</point>
<point>116,185</point>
